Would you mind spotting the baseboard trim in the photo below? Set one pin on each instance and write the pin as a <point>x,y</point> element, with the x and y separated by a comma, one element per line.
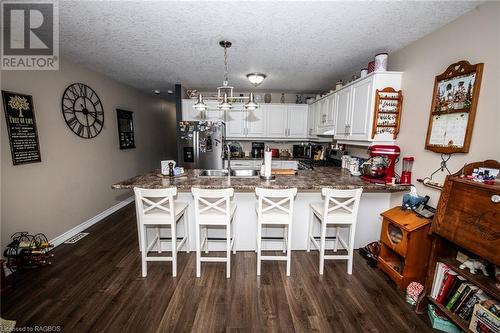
<point>90,222</point>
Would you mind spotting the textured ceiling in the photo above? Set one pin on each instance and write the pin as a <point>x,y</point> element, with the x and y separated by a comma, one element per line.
<point>301,46</point>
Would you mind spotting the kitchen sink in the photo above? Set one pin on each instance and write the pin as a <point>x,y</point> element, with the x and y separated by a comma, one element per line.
<point>244,173</point>
<point>213,173</point>
<point>234,173</point>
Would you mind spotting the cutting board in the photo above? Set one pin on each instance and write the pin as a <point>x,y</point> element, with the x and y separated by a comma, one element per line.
<point>284,172</point>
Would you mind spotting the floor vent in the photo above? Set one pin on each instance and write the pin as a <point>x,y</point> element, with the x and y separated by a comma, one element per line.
<point>76,238</point>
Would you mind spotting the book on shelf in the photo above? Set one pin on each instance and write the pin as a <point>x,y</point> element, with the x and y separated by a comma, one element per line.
<point>467,293</point>
<point>448,280</point>
<point>483,320</point>
<point>441,269</point>
<point>455,293</point>
<point>467,309</point>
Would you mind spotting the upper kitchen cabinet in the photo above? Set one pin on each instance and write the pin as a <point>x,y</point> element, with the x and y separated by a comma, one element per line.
<point>287,121</point>
<point>354,105</point>
<point>297,121</point>
<point>241,123</point>
<point>189,113</point>
<point>256,122</point>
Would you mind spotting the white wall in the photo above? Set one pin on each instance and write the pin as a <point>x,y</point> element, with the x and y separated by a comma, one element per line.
<point>474,37</point>
<point>73,181</point>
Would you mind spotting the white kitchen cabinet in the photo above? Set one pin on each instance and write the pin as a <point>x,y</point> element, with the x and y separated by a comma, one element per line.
<point>236,124</point>
<point>297,121</point>
<point>332,111</point>
<point>241,164</point>
<point>312,122</point>
<point>343,102</point>
<point>361,120</point>
<point>323,108</point>
<point>276,120</point>
<point>290,165</point>
<point>256,122</point>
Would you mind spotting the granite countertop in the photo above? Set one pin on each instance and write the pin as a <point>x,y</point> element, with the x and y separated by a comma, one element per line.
<point>305,181</point>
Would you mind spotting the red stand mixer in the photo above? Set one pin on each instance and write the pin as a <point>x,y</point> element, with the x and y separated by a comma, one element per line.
<point>379,168</point>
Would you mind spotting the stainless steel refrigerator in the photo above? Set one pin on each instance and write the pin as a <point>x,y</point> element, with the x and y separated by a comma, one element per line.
<point>202,144</point>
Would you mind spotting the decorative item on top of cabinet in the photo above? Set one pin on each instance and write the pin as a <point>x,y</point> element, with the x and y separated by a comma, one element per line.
<point>82,110</point>
<point>405,246</point>
<point>125,129</point>
<point>454,103</point>
<point>388,107</point>
<point>21,128</point>
<point>267,98</point>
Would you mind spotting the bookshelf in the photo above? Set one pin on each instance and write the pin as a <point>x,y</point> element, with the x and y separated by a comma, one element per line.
<point>466,220</point>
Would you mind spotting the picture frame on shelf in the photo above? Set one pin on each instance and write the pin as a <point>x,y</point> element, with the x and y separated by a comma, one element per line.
<point>453,108</point>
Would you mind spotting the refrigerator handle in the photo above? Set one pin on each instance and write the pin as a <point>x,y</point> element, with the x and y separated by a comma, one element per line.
<point>196,149</point>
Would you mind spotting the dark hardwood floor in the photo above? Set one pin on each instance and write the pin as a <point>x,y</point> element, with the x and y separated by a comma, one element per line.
<point>95,286</point>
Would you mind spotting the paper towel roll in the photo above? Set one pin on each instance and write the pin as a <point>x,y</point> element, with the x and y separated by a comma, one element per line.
<point>268,156</point>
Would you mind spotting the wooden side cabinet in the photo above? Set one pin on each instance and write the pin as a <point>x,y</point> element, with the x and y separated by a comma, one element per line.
<point>405,246</point>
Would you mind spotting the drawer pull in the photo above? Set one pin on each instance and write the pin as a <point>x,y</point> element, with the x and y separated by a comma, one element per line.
<point>495,198</point>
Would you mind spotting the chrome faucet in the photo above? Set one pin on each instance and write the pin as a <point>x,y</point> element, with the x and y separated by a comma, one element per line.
<point>228,148</point>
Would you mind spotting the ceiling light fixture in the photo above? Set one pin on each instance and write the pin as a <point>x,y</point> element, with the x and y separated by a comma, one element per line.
<point>256,78</point>
<point>225,92</point>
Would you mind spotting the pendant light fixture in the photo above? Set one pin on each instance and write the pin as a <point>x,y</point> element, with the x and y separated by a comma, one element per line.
<point>251,105</point>
<point>200,105</point>
<point>256,78</point>
<point>225,92</point>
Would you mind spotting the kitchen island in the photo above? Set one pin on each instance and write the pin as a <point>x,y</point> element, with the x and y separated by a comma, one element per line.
<point>375,200</point>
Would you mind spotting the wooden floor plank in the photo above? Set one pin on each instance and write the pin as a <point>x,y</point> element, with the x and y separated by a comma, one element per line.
<point>95,286</point>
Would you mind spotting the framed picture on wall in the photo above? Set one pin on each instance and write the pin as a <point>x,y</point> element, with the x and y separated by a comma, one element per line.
<point>125,129</point>
<point>21,128</point>
<point>454,104</point>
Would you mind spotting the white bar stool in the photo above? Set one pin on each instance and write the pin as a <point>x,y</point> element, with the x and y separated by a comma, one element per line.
<point>213,207</point>
<point>156,208</point>
<point>339,209</point>
<point>275,207</point>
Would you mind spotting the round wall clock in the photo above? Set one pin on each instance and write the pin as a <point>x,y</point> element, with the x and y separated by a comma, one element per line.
<point>82,110</point>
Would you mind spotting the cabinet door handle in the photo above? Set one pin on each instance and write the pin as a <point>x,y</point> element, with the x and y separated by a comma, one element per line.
<point>495,198</point>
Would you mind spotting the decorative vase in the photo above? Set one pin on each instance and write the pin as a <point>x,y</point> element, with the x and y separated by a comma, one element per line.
<point>338,85</point>
<point>364,72</point>
<point>267,98</point>
<point>282,100</point>
<point>371,66</point>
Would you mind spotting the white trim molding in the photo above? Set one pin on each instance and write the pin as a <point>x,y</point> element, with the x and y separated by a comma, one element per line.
<point>90,222</point>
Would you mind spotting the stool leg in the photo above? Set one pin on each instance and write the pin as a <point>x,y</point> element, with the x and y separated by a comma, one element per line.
<point>259,246</point>
<point>289,250</point>
<point>174,250</point>
<point>310,229</point>
<point>158,243</point>
<point>206,239</point>
<point>228,250</point>
<point>350,249</point>
<point>322,247</point>
<point>336,242</point>
<point>143,251</point>
<point>285,232</point>
<point>186,231</point>
<point>234,238</point>
<point>198,250</point>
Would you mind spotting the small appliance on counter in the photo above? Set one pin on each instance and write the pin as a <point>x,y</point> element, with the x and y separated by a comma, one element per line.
<point>379,168</point>
<point>257,149</point>
<point>236,150</point>
<point>275,152</point>
<point>316,152</point>
<point>302,150</point>
<point>406,173</point>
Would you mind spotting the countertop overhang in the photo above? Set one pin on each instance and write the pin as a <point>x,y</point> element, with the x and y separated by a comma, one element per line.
<point>304,181</point>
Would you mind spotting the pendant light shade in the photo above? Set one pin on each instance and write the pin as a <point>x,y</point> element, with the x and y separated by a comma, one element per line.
<point>225,105</point>
<point>200,105</point>
<point>251,105</point>
<point>256,78</point>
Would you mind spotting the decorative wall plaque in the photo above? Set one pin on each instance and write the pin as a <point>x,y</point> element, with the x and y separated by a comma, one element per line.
<point>454,103</point>
<point>125,129</point>
<point>21,127</point>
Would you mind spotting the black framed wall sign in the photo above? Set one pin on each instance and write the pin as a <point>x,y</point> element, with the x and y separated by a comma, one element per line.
<point>21,127</point>
<point>125,128</point>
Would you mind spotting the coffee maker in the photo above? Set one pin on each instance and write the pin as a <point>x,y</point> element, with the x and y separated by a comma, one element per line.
<point>257,149</point>
<point>379,168</point>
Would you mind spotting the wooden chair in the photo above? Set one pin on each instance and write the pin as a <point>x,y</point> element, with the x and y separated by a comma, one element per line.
<point>275,207</point>
<point>340,210</point>
<point>156,208</point>
<point>213,208</point>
